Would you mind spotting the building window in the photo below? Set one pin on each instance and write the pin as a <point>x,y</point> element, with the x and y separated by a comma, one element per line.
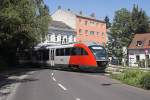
<point>147,57</point>
<point>80,20</point>
<point>67,38</point>
<point>55,38</point>
<point>49,37</point>
<point>86,22</point>
<point>139,43</point>
<point>61,39</point>
<point>102,33</point>
<point>97,24</point>
<point>86,31</point>
<point>65,41</point>
<point>103,43</point>
<point>80,31</point>
<point>72,39</point>
<point>92,22</point>
<point>137,58</point>
<point>97,33</point>
<point>102,25</point>
<point>91,32</point>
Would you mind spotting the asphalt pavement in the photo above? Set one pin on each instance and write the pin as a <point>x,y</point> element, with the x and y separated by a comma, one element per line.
<point>64,85</point>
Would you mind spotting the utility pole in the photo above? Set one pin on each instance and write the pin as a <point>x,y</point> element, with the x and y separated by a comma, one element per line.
<point>124,59</point>
<point>146,58</point>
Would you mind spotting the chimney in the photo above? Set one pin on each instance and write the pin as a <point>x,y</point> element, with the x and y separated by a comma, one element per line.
<point>80,12</point>
<point>93,15</point>
<point>68,9</point>
<point>59,7</point>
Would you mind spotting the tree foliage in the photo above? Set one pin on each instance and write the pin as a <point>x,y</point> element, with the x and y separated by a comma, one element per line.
<point>22,22</point>
<point>120,31</point>
<point>140,21</point>
<point>125,24</point>
<point>108,24</point>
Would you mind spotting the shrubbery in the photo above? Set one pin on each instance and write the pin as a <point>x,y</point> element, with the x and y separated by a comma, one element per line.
<point>135,77</point>
<point>142,63</point>
<point>145,81</point>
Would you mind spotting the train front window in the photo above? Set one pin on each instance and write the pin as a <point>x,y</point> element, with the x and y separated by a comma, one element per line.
<point>99,52</point>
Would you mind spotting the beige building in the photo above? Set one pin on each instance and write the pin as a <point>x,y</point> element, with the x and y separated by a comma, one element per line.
<point>87,28</point>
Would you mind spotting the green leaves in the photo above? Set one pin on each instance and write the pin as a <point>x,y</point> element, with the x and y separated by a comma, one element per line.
<point>125,24</point>
<point>120,31</point>
<point>108,24</point>
<point>20,25</point>
<point>139,20</point>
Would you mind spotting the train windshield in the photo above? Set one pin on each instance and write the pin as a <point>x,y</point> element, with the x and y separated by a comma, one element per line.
<point>99,52</point>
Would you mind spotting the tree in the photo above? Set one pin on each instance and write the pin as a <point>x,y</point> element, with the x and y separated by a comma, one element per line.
<point>120,31</point>
<point>108,24</point>
<point>140,20</point>
<point>22,22</point>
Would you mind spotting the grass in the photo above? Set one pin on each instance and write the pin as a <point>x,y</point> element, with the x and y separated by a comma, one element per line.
<point>134,77</point>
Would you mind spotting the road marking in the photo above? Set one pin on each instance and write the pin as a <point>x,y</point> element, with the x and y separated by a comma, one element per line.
<point>32,72</point>
<point>62,87</point>
<point>15,87</point>
<point>107,74</point>
<point>53,78</point>
<point>78,99</point>
<point>52,74</point>
<point>23,77</point>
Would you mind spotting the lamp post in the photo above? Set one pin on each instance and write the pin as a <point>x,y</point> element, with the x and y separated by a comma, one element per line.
<point>146,60</point>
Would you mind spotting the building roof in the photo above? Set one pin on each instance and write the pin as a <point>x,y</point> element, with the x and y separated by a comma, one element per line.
<point>144,38</point>
<point>89,17</point>
<point>82,15</point>
<point>60,25</point>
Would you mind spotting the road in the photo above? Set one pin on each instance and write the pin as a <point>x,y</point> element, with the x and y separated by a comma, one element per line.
<point>63,85</point>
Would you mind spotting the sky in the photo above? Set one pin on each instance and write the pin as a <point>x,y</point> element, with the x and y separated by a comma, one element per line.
<point>101,8</point>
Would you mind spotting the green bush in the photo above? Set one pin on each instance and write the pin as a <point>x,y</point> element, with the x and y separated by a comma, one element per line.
<point>131,76</point>
<point>141,63</point>
<point>145,81</point>
<point>134,77</point>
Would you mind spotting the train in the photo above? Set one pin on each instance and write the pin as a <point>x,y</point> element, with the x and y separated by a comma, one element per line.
<point>83,56</point>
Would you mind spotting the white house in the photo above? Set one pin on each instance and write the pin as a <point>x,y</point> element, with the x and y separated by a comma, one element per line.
<point>139,49</point>
<point>60,33</point>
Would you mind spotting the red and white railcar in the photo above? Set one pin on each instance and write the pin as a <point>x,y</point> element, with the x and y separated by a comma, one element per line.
<point>85,56</point>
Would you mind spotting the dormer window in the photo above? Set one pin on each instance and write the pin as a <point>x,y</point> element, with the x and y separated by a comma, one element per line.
<point>139,43</point>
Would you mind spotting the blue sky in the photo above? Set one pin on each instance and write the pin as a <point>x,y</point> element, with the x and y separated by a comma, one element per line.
<point>100,7</point>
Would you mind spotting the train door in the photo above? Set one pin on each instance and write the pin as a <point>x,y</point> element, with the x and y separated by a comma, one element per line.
<point>52,56</point>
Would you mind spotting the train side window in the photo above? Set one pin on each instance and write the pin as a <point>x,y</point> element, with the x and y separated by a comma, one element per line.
<point>78,51</point>
<point>39,55</point>
<point>62,52</point>
<point>67,51</point>
<point>73,51</point>
<point>83,52</point>
<point>57,52</point>
<point>45,55</point>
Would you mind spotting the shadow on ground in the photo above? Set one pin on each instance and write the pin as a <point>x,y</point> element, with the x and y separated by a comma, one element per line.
<point>11,76</point>
<point>76,70</point>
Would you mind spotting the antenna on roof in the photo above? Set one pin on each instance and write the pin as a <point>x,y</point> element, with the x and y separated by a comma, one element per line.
<point>69,9</point>
<point>93,15</point>
<point>80,12</point>
<point>59,7</point>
